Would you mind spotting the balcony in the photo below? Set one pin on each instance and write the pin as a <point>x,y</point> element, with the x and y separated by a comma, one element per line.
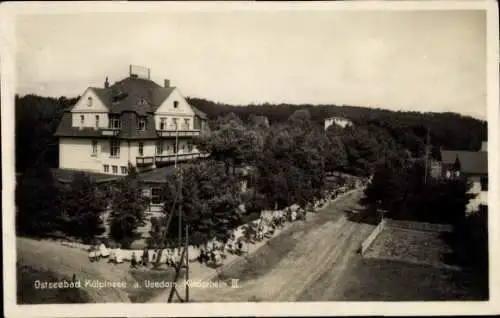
<point>145,161</point>
<point>181,133</point>
<point>111,132</point>
<point>165,159</point>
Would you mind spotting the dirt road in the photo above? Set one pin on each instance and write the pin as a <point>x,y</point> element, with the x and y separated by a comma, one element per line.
<point>64,262</point>
<point>324,245</point>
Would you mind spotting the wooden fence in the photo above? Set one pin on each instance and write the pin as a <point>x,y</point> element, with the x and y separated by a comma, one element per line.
<point>373,235</point>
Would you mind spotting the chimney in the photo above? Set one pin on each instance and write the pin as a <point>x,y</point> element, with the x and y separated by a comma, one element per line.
<point>106,83</point>
<point>167,83</point>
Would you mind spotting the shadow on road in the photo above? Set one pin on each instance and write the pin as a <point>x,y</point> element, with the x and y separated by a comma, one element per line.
<point>365,214</point>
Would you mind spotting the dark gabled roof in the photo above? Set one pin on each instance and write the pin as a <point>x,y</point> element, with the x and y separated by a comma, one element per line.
<point>199,113</point>
<point>130,95</point>
<point>133,90</point>
<point>66,176</point>
<point>159,175</point>
<point>471,162</point>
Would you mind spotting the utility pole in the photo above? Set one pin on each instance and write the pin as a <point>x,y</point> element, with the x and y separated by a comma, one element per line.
<point>184,255</point>
<point>179,226</point>
<point>187,264</point>
<point>176,143</point>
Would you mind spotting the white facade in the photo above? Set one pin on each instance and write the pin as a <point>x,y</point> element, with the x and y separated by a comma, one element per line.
<point>174,110</point>
<point>89,112</point>
<point>88,154</point>
<point>105,154</point>
<point>481,196</point>
<point>339,121</point>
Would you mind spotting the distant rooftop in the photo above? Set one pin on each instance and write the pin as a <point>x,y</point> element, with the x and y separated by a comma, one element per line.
<point>66,176</point>
<point>471,162</point>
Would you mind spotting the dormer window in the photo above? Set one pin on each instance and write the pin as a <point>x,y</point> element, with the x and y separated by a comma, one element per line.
<point>89,101</point>
<point>176,104</point>
<point>141,125</point>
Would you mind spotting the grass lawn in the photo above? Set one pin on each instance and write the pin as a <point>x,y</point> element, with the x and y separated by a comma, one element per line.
<point>261,261</point>
<point>26,294</point>
<point>388,280</point>
<point>143,294</point>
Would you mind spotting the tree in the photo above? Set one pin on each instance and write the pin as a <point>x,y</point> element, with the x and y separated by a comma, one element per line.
<point>292,168</point>
<point>128,206</point>
<point>37,119</point>
<point>209,201</point>
<point>83,206</point>
<point>231,142</point>
<point>387,190</point>
<point>39,210</point>
<point>408,129</point>
<point>335,153</point>
<point>362,151</point>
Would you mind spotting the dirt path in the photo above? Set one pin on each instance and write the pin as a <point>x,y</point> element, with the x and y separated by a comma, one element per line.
<point>325,244</point>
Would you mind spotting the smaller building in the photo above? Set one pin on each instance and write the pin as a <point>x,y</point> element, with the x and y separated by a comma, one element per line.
<point>339,121</point>
<point>470,164</point>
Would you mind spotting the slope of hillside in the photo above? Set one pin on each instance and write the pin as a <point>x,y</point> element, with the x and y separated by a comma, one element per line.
<point>49,261</point>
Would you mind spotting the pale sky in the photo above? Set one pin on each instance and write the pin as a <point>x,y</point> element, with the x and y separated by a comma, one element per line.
<point>398,60</point>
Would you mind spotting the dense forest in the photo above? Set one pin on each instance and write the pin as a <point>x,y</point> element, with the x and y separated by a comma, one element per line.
<point>449,130</point>
<point>37,119</point>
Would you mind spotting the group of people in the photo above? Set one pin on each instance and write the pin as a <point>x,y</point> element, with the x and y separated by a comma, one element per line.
<point>265,229</point>
<point>145,260</point>
<point>99,252</point>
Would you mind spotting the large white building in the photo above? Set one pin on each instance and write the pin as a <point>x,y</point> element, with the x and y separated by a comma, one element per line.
<point>134,121</point>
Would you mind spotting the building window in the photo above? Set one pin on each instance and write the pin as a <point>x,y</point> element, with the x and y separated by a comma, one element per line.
<point>174,148</point>
<point>114,148</point>
<point>142,101</point>
<point>141,149</point>
<point>183,147</point>
<point>484,183</point>
<point>162,123</point>
<point>106,168</point>
<point>94,148</point>
<point>97,121</point>
<point>176,104</point>
<point>159,147</point>
<point>156,196</point>
<point>174,123</point>
<point>89,101</point>
<point>186,123</point>
<point>115,123</point>
<point>141,125</point>
<point>82,119</point>
<point>190,147</point>
<point>196,123</point>
<point>124,170</point>
<point>115,169</point>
